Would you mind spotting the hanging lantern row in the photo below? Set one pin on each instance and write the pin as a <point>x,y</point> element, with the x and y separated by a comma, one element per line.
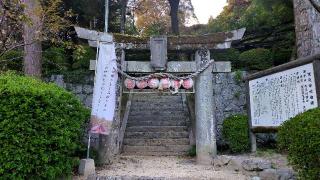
<point>161,84</point>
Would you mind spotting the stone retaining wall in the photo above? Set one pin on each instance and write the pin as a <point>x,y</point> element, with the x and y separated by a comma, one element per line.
<point>83,91</point>
<point>229,96</point>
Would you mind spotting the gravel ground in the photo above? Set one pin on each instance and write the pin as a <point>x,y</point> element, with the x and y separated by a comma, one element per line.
<point>168,167</point>
<point>180,167</point>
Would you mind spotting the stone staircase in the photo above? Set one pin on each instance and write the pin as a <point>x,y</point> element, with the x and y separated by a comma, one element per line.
<point>157,126</point>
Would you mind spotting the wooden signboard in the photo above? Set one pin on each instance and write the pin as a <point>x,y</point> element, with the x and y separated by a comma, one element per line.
<point>278,94</point>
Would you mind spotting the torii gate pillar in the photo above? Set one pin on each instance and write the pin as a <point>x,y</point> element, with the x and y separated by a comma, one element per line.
<point>204,105</point>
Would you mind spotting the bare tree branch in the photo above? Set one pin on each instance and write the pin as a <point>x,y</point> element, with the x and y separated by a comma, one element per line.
<point>15,47</point>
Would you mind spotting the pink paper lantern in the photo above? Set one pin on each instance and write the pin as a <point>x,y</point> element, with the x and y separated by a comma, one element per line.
<point>164,83</point>
<point>130,84</point>
<point>187,83</point>
<point>98,129</point>
<point>176,84</point>
<point>142,84</point>
<point>153,83</point>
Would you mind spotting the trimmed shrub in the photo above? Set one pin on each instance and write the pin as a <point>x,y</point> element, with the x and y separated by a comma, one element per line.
<point>41,128</point>
<point>300,138</point>
<point>256,59</point>
<point>236,132</point>
<point>228,55</point>
<point>281,56</point>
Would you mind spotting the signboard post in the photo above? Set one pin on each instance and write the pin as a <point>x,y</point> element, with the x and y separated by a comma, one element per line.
<point>280,93</point>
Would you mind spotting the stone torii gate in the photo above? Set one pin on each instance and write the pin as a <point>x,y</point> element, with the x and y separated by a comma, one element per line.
<point>204,103</point>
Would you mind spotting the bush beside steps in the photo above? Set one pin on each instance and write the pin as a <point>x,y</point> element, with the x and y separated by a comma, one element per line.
<point>41,126</point>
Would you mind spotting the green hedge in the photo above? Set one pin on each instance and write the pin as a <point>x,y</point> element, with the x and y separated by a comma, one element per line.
<point>236,132</point>
<point>281,56</point>
<point>228,55</point>
<point>41,127</point>
<point>256,59</point>
<point>300,138</point>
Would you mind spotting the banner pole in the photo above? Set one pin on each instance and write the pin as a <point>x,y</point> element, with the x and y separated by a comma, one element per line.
<point>89,142</point>
<point>106,21</point>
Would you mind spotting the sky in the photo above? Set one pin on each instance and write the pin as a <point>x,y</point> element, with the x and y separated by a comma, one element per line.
<point>206,8</point>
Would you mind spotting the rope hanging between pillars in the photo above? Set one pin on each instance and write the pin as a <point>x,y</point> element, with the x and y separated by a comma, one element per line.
<point>167,75</point>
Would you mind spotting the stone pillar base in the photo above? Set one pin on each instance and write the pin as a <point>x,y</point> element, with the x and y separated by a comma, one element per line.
<point>204,159</point>
<point>86,167</point>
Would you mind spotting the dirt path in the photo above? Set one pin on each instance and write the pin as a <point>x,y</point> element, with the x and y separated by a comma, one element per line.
<point>167,167</point>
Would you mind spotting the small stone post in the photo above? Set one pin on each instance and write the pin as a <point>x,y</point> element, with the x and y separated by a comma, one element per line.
<point>204,108</point>
<point>253,140</point>
<point>86,167</point>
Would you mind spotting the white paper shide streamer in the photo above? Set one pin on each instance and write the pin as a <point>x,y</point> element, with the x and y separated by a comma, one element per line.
<point>104,93</point>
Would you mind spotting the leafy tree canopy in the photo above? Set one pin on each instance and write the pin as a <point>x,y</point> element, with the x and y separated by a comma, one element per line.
<point>53,15</point>
<point>153,17</point>
<point>252,14</point>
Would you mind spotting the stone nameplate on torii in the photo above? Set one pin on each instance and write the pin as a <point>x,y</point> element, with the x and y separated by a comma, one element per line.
<point>158,49</point>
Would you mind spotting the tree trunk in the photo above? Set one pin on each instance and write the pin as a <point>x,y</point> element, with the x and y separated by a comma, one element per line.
<point>32,64</point>
<point>123,15</point>
<point>174,7</point>
<point>307,26</point>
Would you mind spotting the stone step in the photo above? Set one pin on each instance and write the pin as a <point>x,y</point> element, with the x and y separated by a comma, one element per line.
<point>158,108</point>
<point>156,123</point>
<point>159,102</point>
<point>156,126</point>
<point>147,97</point>
<point>153,135</point>
<point>156,142</point>
<point>156,118</point>
<point>170,148</point>
<point>150,153</point>
<point>154,113</point>
<point>162,102</point>
<point>165,100</point>
<point>156,129</point>
<point>156,100</point>
<point>156,104</point>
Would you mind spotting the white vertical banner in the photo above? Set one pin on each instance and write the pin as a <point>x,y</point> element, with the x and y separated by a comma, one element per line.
<point>104,92</point>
